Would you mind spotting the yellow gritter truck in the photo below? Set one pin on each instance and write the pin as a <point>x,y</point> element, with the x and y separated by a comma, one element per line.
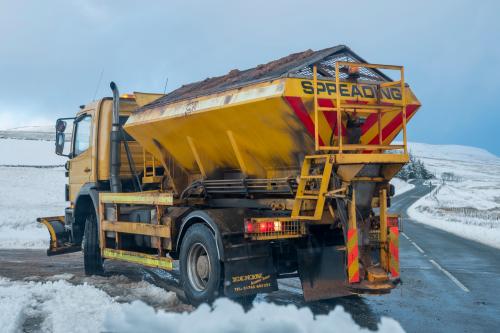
<point>277,171</point>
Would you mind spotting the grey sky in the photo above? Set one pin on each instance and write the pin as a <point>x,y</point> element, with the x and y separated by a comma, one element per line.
<point>52,52</point>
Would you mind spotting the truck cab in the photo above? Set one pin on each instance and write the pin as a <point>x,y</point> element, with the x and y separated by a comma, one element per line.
<point>85,140</point>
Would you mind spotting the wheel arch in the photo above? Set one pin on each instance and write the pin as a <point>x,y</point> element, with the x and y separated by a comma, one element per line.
<point>87,201</point>
<point>201,217</point>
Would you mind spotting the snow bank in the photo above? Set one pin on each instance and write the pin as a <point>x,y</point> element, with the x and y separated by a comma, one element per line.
<point>52,307</point>
<point>401,186</point>
<point>477,229</point>
<point>62,307</point>
<point>227,316</point>
<point>466,200</point>
<point>28,193</point>
<point>29,152</point>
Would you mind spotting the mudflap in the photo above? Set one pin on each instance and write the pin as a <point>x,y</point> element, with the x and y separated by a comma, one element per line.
<point>248,269</point>
<point>322,272</point>
<point>60,238</point>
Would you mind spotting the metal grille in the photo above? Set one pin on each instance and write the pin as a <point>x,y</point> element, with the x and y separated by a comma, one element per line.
<point>284,186</point>
<point>326,69</point>
<point>289,229</point>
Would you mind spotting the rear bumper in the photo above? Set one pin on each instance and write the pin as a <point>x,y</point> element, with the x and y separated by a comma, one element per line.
<point>379,287</point>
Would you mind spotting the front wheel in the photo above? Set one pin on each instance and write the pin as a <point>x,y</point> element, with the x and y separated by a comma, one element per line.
<point>200,266</point>
<point>92,260</point>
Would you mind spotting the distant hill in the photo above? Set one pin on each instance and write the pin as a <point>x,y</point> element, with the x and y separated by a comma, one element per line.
<point>44,133</point>
<point>466,197</point>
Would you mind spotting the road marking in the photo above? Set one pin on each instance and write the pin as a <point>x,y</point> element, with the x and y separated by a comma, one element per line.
<point>413,243</point>
<point>449,275</point>
<point>418,247</point>
<point>445,272</point>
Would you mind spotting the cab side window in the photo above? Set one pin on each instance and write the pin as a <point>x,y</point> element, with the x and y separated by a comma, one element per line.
<point>82,135</point>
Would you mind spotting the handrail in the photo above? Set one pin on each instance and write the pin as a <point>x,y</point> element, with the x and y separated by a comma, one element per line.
<point>365,147</point>
<point>378,109</point>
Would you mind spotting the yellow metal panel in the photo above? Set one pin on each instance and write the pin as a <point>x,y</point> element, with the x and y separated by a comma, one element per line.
<point>196,156</point>
<point>370,158</point>
<point>137,228</point>
<point>349,171</point>
<point>145,98</point>
<point>137,198</point>
<point>237,152</point>
<point>349,92</point>
<point>103,140</point>
<point>45,222</point>
<point>269,133</point>
<point>269,137</point>
<point>152,179</point>
<point>138,258</point>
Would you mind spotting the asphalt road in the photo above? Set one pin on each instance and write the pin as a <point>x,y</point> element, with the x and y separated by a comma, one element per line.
<point>450,284</point>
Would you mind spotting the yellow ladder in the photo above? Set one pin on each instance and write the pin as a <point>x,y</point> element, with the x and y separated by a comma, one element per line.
<point>313,187</point>
<point>149,168</point>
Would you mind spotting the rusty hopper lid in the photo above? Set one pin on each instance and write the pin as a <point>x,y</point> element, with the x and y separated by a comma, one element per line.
<point>258,121</point>
<point>293,65</point>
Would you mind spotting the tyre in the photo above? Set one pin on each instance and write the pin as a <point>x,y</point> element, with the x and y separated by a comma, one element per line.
<point>200,267</point>
<point>91,252</point>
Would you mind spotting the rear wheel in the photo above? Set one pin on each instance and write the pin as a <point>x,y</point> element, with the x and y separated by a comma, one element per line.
<point>91,252</point>
<point>200,266</point>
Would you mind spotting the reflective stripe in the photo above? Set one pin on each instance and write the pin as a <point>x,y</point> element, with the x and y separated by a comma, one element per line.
<point>352,256</point>
<point>138,258</point>
<point>394,251</point>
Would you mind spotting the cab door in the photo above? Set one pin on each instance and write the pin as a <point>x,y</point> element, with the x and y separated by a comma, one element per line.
<point>80,165</point>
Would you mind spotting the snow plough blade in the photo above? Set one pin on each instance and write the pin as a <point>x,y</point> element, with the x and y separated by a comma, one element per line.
<point>60,238</point>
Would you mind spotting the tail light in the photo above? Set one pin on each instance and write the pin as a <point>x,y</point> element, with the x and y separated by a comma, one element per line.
<point>249,227</point>
<point>262,226</point>
<point>392,221</point>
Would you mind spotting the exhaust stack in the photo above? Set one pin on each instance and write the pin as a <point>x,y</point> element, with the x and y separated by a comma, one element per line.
<point>114,159</point>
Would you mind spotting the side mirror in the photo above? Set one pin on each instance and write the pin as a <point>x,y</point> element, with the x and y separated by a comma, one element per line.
<point>60,143</point>
<point>61,126</point>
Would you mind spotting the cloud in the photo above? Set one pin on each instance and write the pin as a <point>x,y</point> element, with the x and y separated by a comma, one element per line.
<point>96,11</point>
<point>53,53</point>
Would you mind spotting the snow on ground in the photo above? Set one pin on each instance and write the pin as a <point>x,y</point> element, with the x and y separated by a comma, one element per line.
<point>401,186</point>
<point>227,316</point>
<point>59,306</point>
<point>466,200</point>
<point>52,307</point>
<point>28,192</point>
<point>15,152</point>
